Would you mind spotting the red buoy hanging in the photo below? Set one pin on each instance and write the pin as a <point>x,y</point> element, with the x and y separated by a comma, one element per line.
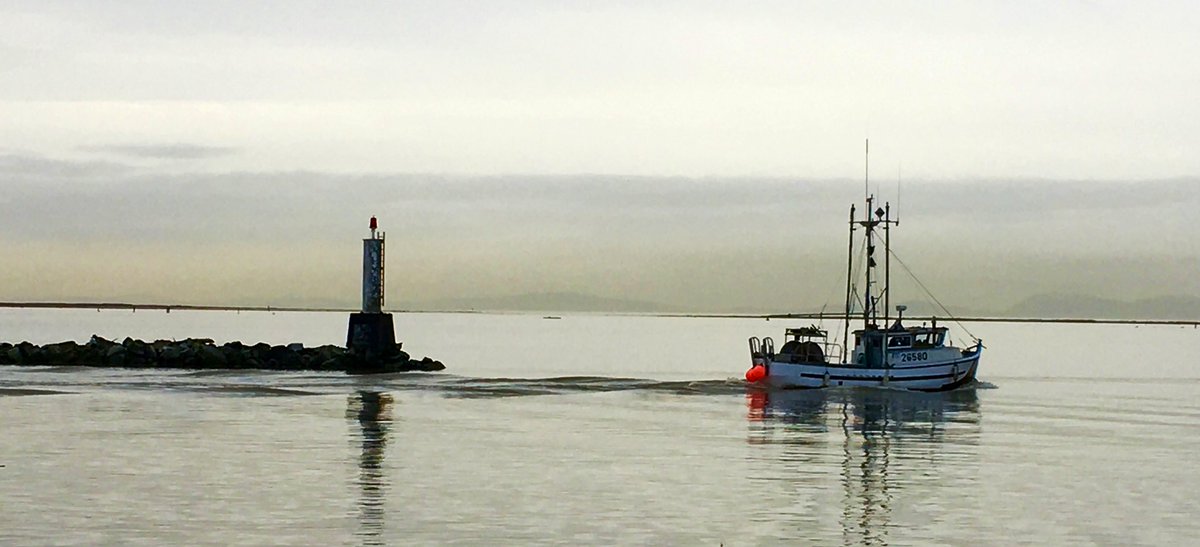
<point>756,373</point>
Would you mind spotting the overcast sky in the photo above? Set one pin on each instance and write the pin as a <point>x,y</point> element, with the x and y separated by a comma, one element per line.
<point>650,150</point>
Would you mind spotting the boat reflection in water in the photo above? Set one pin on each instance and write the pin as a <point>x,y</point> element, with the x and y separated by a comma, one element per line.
<point>881,462</point>
<point>373,413</point>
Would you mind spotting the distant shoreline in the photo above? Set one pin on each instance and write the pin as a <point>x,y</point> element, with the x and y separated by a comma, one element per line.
<point>815,316</point>
<point>1077,320</point>
<point>127,306</point>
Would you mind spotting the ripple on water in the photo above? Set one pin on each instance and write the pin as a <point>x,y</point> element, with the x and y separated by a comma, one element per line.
<point>20,392</point>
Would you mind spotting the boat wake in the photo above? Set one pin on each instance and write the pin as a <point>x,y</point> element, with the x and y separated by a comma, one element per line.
<point>18,392</point>
<point>559,385</point>
<point>254,391</point>
<point>243,383</point>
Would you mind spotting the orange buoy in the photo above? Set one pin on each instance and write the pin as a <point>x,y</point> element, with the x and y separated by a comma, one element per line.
<point>756,373</point>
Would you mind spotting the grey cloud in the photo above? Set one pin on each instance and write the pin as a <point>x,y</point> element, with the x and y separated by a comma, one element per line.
<point>1031,197</point>
<point>18,167</point>
<point>261,206</point>
<point>174,151</point>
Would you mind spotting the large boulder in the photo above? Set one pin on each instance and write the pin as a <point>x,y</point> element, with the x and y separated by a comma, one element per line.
<point>100,343</point>
<point>14,355</point>
<point>171,354</point>
<point>115,355</point>
<point>31,354</point>
<point>142,352</point>
<point>62,353</point>
<point>212,357</point>
<point>236,354</point>
<point>428,364</point>
<point>285,358</point>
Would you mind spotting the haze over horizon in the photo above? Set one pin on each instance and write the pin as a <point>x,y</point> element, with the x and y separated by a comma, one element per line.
<point>697,156</point>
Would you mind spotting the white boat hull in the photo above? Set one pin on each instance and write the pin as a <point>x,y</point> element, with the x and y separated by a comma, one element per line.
<point>921,376</point>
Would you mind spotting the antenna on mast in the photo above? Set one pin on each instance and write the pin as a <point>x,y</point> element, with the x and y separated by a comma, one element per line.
<point>867,174</point>
<point>899,179</point>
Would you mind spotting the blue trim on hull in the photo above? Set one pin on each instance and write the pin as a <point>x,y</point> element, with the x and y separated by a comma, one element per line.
<point>860,367</point>
<point>894,381</point>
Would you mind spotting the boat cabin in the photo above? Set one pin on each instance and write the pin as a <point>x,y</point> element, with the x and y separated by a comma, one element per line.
<point>899,338</point>
<point>908,338</point>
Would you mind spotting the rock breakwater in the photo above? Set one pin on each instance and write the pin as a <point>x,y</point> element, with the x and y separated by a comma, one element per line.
<point>203,353</point>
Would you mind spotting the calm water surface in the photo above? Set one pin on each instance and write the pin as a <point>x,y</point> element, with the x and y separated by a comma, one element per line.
<point>595,430</point>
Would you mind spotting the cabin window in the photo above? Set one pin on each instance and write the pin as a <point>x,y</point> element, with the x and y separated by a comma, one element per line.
<point>924,339</point>
<point>899,341</point>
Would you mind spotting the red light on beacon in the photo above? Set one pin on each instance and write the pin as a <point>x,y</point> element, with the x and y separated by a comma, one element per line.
<point>374,223</point>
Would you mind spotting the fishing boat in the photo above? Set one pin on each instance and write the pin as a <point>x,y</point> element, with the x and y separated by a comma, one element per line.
<point>884,352</point>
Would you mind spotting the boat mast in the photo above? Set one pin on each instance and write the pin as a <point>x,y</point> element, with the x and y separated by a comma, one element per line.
<point>887,265</point>
<point>868,226</point>
<point>867,176</point>
<point>873,218</point>
<point>849,279</point>
<point>881,215</point>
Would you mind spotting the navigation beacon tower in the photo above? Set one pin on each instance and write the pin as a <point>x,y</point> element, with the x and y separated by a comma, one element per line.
<point>371,334</point>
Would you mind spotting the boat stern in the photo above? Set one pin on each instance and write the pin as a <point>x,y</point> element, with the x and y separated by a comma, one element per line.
<point>760,359</point>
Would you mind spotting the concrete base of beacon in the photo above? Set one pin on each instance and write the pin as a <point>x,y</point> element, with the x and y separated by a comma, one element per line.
<point>371,333</point>
<point>371,339</point>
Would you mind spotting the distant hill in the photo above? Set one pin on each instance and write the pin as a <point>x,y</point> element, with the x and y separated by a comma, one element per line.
<point>1047,306</point>
<point>1041,306</point>
<point>1184,307</point>
<point>925,309</point>
<point>544,302</point>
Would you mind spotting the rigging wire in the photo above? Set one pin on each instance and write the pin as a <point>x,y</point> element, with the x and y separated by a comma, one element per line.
<point>931,296</point>
<point>826,304</point>
<point>855,298</point>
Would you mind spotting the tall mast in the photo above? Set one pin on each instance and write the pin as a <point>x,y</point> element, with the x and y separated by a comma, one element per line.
<point>867,225</point>
<point>849,278</point>
<point>887,264</point>
<point>871,220</point>
<point>867,298</point>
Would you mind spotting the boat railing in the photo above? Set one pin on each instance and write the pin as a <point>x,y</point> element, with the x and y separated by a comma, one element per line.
<point>762,348</point>
<point>833,352</point>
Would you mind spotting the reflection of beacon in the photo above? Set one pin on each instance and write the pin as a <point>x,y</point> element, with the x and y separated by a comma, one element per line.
<point>371,334</point>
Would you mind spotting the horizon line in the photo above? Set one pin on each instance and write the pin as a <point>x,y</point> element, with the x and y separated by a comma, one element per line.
<point>819,316</point>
